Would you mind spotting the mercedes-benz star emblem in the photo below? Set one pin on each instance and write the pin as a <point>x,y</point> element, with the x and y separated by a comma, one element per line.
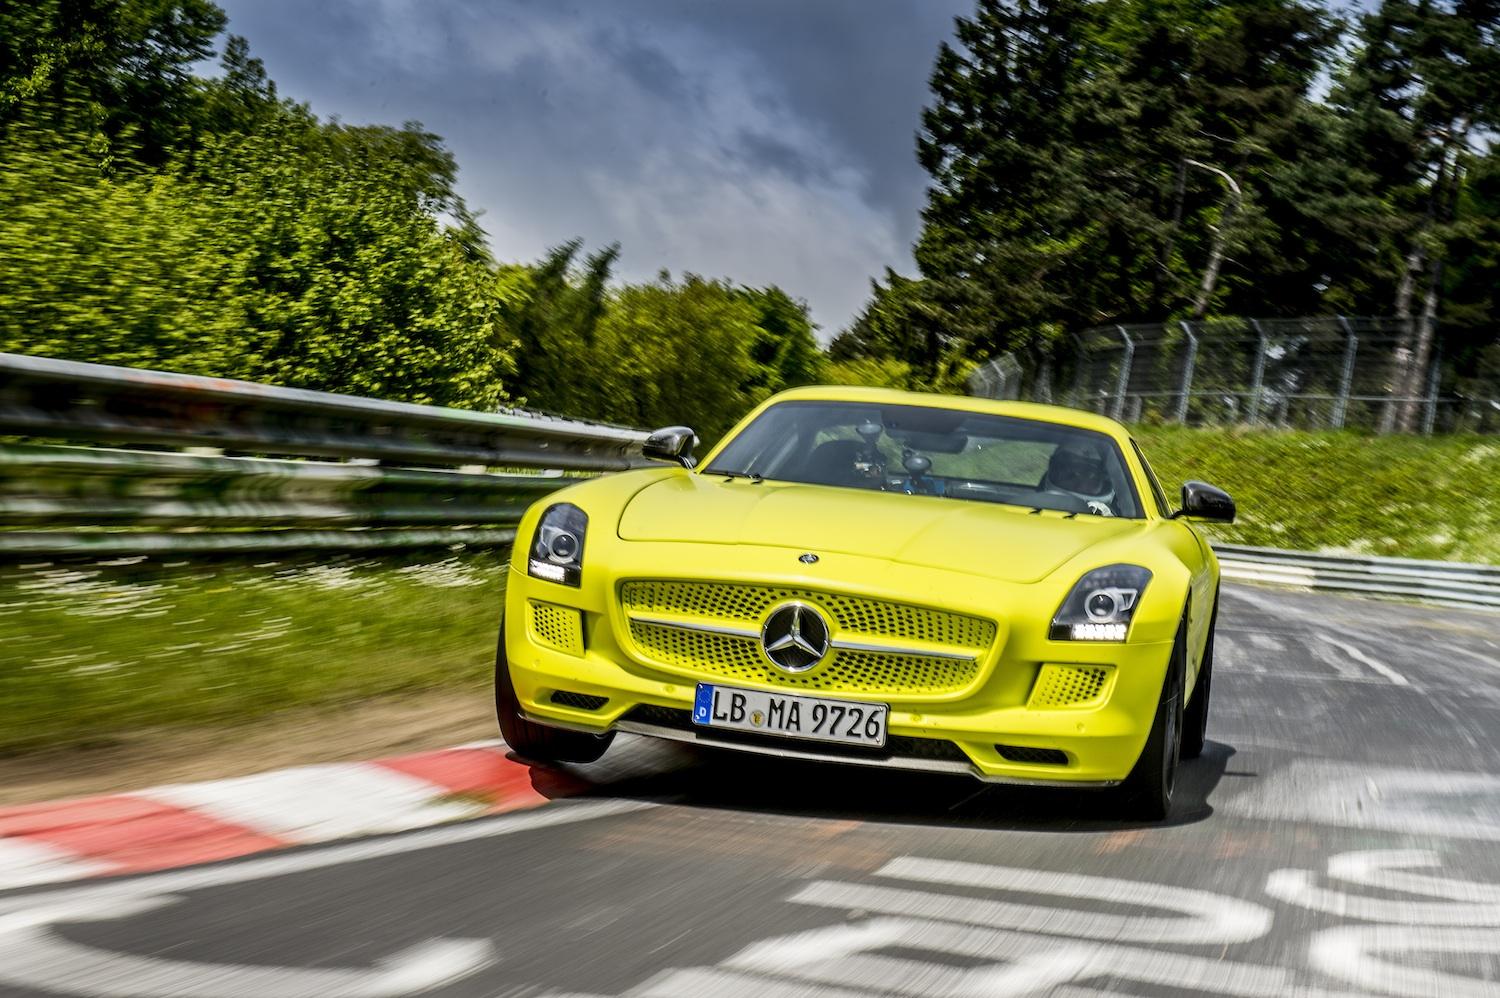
<point>795,637</point>
<point>808,559</point>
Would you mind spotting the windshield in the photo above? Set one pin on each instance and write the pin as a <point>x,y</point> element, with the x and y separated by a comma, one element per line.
<point>918,450</point>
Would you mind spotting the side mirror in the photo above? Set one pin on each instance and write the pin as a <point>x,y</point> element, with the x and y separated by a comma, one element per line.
<point>671,443</point>
<point>1201,501</point>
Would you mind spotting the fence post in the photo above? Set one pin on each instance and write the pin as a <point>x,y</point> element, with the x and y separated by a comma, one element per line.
<point>1258,373</point>
<point>1430,415</point>
<point>1126,360</point>
<point>1346,377</point>
<point>1076,399</point>
<point>1184,390</point>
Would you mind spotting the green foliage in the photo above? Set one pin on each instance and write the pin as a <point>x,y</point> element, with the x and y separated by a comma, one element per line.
<point>165,220</point>
<point>1142,160</point>
<point>869,372</point>
<point>302,254</point>
<point>696,351</point>
<point>1410,497</point>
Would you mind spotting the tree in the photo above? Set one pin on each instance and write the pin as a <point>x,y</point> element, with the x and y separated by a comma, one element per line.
<point>678,352</point>
<point>784,353</point>
<point>1109,162</point>
<point>117,71</point>
<point>1002,218</point>
<point>1420,91</point>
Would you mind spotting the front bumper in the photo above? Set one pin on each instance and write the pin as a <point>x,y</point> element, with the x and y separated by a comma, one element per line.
<point>997,730</point>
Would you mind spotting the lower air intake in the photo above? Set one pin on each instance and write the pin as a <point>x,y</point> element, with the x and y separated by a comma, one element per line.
<point>1040,756</point>
<point>582,701</point>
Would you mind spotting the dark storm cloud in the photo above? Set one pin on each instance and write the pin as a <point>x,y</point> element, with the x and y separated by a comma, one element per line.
<point>769,141</point>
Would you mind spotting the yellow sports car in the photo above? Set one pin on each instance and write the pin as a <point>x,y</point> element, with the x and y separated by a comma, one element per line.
<point>883,578</point>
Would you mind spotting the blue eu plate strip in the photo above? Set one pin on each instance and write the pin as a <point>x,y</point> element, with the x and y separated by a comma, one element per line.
<point>703,703</point>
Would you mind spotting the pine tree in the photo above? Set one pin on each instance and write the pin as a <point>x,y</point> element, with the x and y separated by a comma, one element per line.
<point>1002,211</point>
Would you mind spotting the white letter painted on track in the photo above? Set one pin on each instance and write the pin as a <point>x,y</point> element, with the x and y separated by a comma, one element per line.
<point>31,956</point>
<point>1351,952</point>
<point>1202,917</point>
<point>1467,904</point>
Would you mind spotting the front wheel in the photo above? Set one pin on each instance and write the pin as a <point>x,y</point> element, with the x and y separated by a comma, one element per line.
<point>1195,719</point>
<point>538,742</point>
<point>1147,791</point>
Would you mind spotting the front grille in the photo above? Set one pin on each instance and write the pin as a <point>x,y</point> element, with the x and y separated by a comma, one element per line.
<point>582,701</point>
<point>1041,756</point>
<point>1069,686</point>
<point>744,607</point>
<point>896,746</point>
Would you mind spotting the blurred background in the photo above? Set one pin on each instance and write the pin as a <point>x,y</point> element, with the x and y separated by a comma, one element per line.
<point>1266,233</point>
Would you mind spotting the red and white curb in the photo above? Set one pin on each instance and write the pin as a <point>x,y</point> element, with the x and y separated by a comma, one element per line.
<point>182,824</point>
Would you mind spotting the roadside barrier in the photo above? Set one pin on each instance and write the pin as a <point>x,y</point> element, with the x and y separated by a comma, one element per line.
<point>1448,583</point>
<point>401,476</point>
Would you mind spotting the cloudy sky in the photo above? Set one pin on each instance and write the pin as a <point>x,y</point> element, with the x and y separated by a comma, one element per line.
<point>767,141</point>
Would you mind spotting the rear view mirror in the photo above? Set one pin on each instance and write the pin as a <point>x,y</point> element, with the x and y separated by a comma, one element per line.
<point>671,443</point>
<point>1202,501</point>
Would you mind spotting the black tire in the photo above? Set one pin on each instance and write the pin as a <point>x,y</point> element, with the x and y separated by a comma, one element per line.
<point>538,742</point>
<point>1147,791</point>
<point>1195,718</point>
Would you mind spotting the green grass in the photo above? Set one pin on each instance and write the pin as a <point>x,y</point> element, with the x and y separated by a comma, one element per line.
<point>88,650</point>
<point>1411,497</point>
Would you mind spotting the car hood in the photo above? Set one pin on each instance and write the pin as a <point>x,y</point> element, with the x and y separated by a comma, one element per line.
<point>979,538</point>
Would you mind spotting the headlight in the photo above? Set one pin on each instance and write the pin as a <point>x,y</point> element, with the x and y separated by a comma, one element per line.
<point>557,545</point>
<point>1100,606</point>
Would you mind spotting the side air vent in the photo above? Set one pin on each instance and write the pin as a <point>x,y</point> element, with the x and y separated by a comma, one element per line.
<point>1040,756</point>
<point>581,701</point>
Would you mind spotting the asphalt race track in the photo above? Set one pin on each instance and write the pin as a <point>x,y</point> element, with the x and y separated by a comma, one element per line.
<point>1341,835</point>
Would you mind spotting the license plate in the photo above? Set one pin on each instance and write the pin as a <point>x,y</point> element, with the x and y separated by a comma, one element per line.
<point>815,718</point>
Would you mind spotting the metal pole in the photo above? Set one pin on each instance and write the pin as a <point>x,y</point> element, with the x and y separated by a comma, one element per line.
<point>1126,359</point>
<point>1258,374</point>
<point>1079,370</point>
<point>1346,378</point>
<point>1185,389</point>
<point>1430,415</point>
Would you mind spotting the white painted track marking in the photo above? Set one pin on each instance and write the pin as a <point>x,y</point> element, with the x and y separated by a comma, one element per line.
<point>1351,952</point>
<point>1298,887</point>
<point>1384,869</point>
<point>1266,642</point>
<point>25,862</point>
<point>1441,803</point>
<point>1374,664</point>
<point>32,957</point>
<point>1465,904</point>
<point>1023,963</point>
<point>1205,917</point>
<point>706,982</point>
<point>269,865</point>
<point>1208,917</point>
<point>318,803</point>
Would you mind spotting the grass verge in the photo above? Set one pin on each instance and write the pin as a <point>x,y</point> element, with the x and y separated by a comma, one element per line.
<point>1409,497</point>
<point>93,649</point>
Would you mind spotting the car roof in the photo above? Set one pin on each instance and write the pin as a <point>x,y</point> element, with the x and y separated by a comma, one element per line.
<point>966,403</point>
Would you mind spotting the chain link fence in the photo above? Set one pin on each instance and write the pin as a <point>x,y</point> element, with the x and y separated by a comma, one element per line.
<point>1317,373</point>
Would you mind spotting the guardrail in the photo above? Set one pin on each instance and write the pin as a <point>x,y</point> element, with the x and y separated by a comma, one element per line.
<point>411,475</point>
<point>68,400</point>
<point>1447,583</point>
<point>102,502</point>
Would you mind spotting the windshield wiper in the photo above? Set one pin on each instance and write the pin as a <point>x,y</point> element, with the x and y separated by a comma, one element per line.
<point>753,477</point>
